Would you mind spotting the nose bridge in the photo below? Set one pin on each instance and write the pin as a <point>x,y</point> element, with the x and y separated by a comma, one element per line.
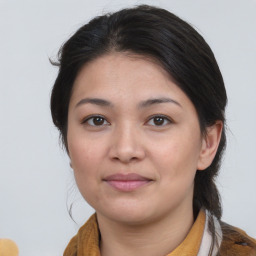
<point>127,144</point>
<point>126,135</point>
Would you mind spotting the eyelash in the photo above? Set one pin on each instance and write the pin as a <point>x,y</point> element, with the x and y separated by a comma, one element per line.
<point>92,117</point>
<point>165,119</point>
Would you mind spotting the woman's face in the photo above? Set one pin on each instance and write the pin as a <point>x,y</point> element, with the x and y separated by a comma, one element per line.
<point>134,139</point>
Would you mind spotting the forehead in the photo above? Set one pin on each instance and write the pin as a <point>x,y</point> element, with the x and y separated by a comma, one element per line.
<point>124,74</point>
<point>128,85</point>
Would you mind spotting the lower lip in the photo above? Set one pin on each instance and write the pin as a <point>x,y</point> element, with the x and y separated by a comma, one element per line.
<point>127,186</point>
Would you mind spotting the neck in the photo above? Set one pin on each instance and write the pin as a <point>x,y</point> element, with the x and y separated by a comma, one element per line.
<point>160,237</point>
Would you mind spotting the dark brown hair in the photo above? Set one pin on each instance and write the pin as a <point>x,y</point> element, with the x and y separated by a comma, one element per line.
<point>177,47</point>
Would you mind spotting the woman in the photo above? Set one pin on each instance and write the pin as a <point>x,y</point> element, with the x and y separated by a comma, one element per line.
<point>139,101</point>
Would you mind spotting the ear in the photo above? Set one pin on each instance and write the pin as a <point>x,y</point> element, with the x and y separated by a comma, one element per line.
<point>210,144</point>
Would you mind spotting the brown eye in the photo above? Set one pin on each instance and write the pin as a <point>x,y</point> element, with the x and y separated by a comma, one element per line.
<point>96,121</point>
<point>159,121</point>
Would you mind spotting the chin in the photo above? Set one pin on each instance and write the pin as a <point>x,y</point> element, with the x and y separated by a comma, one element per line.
<point>128,214</point>
<point>133,219</point>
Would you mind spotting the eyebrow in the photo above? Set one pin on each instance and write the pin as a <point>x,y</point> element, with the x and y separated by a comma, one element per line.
<point>143,104</point>
<point>153,101</point>
<point>96,101</point>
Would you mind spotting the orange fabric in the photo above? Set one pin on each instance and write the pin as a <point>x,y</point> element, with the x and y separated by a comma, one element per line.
<point>236,242</point>
<point>86,242</point>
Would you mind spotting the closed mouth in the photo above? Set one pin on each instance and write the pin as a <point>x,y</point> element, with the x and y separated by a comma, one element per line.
<point>127,182</point>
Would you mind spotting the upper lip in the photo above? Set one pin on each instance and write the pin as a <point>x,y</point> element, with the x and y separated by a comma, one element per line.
<point>126,177</point>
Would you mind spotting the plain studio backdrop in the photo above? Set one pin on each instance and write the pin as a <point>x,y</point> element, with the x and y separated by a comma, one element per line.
<point>36,182</point>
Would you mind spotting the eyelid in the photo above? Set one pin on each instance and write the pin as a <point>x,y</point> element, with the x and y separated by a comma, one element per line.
<point>87,118</point>
<point>162,116</point>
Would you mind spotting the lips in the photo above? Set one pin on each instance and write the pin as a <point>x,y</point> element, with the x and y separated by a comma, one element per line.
<point>127,182</point>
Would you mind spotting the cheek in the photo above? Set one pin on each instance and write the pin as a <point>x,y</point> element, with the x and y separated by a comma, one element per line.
<point>85,159</point>
<point>83,151</point>
<point>177,156</point>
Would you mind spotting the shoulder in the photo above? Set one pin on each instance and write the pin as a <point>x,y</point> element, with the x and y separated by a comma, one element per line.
<point>236,242</point>
<point>86,241</point>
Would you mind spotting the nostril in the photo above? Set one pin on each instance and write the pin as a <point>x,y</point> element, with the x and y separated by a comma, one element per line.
<point>125,158</point>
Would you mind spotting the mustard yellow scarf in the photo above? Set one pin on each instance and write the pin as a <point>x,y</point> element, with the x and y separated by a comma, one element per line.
<point>86,242</point>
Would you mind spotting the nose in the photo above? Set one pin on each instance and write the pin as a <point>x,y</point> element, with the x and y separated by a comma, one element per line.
<point>127,144</point>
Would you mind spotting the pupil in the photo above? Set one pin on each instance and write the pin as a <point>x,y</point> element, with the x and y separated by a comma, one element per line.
<point>158,120</point>
<point>98,120</point>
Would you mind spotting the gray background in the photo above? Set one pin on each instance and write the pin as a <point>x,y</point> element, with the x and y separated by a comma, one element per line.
<point>36,181</point>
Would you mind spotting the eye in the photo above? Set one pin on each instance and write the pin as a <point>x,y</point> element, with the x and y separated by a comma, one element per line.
<point>159,120</point>
<point>95,121</point>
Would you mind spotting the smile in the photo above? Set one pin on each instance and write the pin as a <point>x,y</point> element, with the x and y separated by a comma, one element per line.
<point>127,182</point>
